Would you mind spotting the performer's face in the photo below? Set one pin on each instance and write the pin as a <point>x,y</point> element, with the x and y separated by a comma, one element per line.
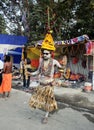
<point>46,54</point>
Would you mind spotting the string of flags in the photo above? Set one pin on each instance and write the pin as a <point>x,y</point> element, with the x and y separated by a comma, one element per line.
<point>89,43</point>
<point>70,41</point>
<point>74,40</point>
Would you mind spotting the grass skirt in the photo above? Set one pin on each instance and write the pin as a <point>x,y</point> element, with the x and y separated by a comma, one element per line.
<point>43,98</point>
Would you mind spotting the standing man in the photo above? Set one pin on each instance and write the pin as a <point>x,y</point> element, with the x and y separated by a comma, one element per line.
<point>7,77</point>
<point>44,96</point>
<point>25,67</point>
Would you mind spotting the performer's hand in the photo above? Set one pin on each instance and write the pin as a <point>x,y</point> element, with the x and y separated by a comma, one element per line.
<point>28,73</point>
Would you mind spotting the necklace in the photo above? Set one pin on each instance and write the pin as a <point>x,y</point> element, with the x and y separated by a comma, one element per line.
<point>46,70</point>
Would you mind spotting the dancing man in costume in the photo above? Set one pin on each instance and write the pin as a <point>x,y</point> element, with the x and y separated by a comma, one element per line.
<point>44,97</point>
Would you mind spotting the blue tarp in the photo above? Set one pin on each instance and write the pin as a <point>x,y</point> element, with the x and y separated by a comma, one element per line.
<point>17,51</point>
<point>12,45</point>
<point>13,39</point>
<point>16,54</point>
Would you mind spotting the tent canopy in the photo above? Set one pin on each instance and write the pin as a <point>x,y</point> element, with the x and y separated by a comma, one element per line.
<point>8,42</point>
<point>17,51</point>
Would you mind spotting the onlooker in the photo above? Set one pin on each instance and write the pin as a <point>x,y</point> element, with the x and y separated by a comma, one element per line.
<point>26,76</point>
<point>7,77</point>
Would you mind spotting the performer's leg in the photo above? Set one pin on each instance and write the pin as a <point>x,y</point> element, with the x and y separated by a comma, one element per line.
<point>47,114</point>
<point>45,119</point>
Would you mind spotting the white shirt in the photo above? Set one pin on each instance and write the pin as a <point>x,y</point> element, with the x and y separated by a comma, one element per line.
<point>1,64</point>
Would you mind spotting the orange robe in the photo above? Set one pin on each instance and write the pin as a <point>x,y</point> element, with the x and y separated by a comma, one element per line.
<point>6,83</point>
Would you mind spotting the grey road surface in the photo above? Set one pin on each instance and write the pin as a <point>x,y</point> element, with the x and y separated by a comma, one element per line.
<point>15,114</point>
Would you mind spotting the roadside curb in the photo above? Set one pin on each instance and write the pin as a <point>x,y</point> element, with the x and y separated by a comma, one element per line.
<point>75,97</point>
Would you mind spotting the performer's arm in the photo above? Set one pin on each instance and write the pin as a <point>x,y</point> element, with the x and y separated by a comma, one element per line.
<point>57,64</point>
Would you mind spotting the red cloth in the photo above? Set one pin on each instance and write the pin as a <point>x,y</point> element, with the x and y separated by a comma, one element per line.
<point>89,47</point>
<point>35,63</point>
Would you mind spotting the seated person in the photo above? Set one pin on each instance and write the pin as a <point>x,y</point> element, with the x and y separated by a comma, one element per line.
<point>65,72</point>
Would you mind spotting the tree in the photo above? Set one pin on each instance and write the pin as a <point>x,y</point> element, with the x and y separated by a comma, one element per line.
<point>34,18</point>
<point>2,25</point>
<point>84,16</point>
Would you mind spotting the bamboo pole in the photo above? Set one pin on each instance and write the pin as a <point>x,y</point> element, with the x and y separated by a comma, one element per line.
<point>48,13</point>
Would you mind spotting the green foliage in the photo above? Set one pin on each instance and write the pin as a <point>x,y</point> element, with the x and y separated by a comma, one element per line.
<point>2,25</point>
<point>33,18</point>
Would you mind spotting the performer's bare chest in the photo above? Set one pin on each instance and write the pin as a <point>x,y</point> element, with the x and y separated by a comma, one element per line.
<point>46,64</point>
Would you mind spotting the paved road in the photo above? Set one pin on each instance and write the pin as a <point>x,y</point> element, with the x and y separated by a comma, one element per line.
<point>15,114</point>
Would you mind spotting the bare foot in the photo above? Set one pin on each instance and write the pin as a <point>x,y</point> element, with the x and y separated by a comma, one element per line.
<point>45,120</point>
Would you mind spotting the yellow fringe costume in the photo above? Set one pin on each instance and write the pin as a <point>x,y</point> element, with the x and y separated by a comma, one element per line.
<point>43,98</point>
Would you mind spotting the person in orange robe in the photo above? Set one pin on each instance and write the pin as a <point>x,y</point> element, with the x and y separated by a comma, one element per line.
<point>7,77</point>
<point>1,70</point>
